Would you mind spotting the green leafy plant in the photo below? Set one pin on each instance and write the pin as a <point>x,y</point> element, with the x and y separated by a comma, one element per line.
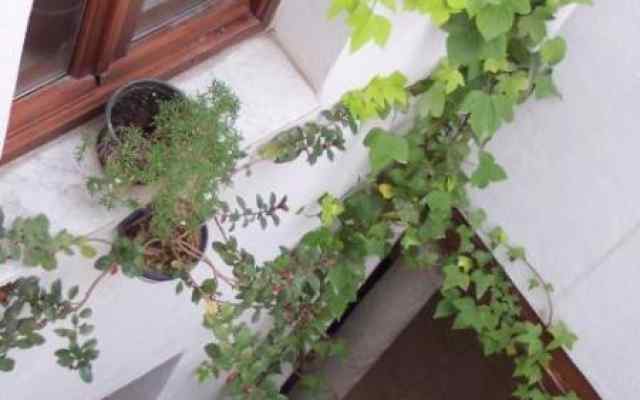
<point>191,153</point>
<point>28,307</point>
<point>498,56</point>
<point>189,156</point>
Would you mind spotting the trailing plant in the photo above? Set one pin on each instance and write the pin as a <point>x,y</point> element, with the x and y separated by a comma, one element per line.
<point>187,156</point>
<point>498,56</point>
<point>192,153</point>
<point>28,307</point>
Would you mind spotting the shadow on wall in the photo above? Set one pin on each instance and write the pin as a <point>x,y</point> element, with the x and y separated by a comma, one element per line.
<point>148,386</point>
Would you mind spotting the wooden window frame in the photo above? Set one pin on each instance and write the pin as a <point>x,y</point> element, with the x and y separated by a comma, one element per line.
<point>104,59</point>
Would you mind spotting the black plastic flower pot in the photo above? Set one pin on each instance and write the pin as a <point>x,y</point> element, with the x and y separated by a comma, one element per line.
<point>133,105</point>
<point>128,228</point>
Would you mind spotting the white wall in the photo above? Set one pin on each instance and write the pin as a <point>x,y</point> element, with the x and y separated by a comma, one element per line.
<point>573,199</point>
<point>320,48</point>
<point>14,16</point>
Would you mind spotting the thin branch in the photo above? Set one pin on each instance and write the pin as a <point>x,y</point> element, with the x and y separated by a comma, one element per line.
<point>546,290</point>
<point>221,229</point>
<point>98,240</point>
<point>91,289</point>
<point>189,249</point>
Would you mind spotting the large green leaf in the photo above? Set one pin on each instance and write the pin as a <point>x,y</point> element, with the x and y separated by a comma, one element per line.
<point>385,148</point>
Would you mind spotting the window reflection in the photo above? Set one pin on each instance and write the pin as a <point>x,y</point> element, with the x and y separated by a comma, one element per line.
<point>158,13</point>
<point>49,42</point>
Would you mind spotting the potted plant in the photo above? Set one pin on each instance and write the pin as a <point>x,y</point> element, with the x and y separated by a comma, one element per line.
<point>183,149</point>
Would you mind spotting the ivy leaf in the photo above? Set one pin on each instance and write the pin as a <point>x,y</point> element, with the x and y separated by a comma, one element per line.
<point>488,171</point>
<point>468,314</point>
<point>367,26</point>
<point>385,148</point>
<point>378,97</point>
<point>332,208</point>
<point>438,9</point>
<point>444,309</point>
<point>344,279</point>
<point>531,337</point>
<point>513,85</point>
<point>449,76</point>
<point>521,7</point>
<point>386,190</point>
<point>517,253</point>
<point>553,50</point>
<point>487,113</point>
<point>339,6</point>
<point>464,47</point>
<point>544,87</point>
<point>432,102</point>
<point>562,337</point>
<point>455,277</point>
<point>534,25</point>
<point>482,281</point>
<point>439,201</point>
<point>495,20</point>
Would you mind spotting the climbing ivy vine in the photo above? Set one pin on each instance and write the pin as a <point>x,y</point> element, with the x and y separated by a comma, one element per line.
<point>498,56</point>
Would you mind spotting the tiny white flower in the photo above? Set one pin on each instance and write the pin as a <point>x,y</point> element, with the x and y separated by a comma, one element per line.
<point>208,196</point>
<point>118,181</point>
<point>183,222</point>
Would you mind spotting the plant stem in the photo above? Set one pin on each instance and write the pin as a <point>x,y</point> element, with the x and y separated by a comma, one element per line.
<point>92,288</point>
<point>221,229</point>
<point>188,247</point>
<point>546,290</point>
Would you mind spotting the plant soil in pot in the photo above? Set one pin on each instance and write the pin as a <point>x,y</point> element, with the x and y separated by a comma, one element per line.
<point>133,106</point>
<point>165,259</point>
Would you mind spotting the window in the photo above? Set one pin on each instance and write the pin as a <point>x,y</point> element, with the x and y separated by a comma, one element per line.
<point>49,42</point>
<point>159,13</point>
<point>78,52</point>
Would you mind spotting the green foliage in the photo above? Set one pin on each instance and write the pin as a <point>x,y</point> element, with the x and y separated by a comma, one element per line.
<point>378,98</point>
<point>488,171</point>
<point>553,50</point>
<point>246,216</point>
<point>30,241</point>
<point>28,308</point>
<point>497,57</point>
<point>190,156</point>
<point>487,113</point>
<point>385,148</point>
<point>314,139</point>
<point>332,208</point>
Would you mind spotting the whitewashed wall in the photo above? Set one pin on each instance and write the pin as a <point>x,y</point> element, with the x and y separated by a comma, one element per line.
<point>14,16</point>
<point>571,199</point>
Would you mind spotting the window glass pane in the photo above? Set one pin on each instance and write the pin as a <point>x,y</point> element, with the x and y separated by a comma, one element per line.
<point>49,42</point>
<point>158,13</point>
